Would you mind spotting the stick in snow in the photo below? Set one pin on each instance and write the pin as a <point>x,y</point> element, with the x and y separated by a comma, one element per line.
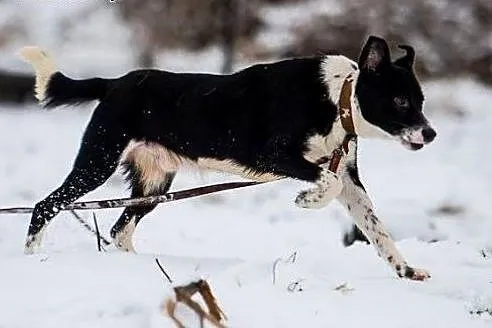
<point>98,235</point>
<point>163,271</point>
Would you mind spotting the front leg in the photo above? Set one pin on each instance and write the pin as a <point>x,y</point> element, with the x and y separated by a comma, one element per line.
<point>357,202</point>
<point>328,187</point>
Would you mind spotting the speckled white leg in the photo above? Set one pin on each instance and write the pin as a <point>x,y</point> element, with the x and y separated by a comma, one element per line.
<point>358,204</point>
<point>328,187</point>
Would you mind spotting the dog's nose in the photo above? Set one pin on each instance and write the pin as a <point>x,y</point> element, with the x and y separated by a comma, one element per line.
<point>429,134</point>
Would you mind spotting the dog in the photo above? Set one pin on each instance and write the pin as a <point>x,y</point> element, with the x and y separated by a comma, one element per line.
<point>265,122</point>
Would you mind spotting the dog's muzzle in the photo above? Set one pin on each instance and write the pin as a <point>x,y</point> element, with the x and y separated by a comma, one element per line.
<point>415,139</point>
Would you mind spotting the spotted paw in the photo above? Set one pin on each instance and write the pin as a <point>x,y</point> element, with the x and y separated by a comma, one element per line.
<point>308,199</point>
<point>416,274</point>
<point>420,275</point>
<point>328,188</point>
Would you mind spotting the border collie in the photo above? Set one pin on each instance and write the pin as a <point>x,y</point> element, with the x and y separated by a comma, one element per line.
<point>266,122</point>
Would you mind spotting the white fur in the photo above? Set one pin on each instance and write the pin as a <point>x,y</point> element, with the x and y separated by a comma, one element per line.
<point>334,70</point>
<point>234,168</point>
<point>328,187</point>
<point>123,239</point>
<point>413,135</point>
<point>34,242</point>
<point>44,67</point>
<point>153,161</point>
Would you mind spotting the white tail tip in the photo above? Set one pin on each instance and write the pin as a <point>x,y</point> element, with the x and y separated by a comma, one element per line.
<point>44,67</point>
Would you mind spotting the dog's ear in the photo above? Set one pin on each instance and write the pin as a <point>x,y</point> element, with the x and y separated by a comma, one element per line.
<point>375,55</point>
<point>408,60</point>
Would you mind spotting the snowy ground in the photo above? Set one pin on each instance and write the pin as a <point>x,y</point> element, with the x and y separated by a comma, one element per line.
<point>234,238</point>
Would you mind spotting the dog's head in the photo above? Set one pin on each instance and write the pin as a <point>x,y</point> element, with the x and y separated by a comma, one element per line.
<point>390,97</point>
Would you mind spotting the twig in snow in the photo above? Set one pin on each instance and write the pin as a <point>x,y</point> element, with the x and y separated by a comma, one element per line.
<point>163,271</point>
<point>89,228</point>
<point>98,235</point>
<point>291,259</point>
<point>295,286</point>
<point>344,288</point>
<point>274,270</point>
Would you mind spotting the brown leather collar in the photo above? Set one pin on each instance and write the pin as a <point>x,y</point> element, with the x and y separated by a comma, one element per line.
<point>347,120</point>
<point>345,106</point>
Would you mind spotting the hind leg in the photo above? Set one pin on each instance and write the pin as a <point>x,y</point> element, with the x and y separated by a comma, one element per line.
<point>122,231</point>
<point>97,159</point>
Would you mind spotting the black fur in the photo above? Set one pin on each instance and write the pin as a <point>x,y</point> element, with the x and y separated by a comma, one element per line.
<point>64,91</point>
<point>271,108</point>
<point>259,118</point>
<point>382,86</point>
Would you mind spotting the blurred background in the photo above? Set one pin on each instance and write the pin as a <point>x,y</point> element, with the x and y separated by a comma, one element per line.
<point>452,37</point>
<point>432,192</point>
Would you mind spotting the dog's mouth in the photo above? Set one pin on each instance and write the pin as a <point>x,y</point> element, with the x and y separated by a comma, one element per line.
<point>417,138</point>
<point>411,145</point>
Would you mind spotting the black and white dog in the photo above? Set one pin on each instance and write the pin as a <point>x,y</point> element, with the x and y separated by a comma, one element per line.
<point>266,122</point>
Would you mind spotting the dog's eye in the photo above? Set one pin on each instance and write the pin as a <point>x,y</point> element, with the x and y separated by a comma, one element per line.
<point>401,103</point>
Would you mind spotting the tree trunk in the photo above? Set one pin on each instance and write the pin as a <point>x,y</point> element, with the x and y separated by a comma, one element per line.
<point>229,32</point>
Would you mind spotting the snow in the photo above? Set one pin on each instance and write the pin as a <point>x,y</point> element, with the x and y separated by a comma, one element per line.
<point>234,238</point>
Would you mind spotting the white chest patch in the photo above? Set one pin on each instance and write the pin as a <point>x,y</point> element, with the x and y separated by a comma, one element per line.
<point>319,146</point>
<point>334,70</point>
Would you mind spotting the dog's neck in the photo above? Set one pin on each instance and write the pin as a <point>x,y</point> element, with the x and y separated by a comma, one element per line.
<point>334,70</point>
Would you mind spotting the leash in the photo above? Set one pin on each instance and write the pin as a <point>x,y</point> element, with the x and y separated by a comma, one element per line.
<point>346,118</point>
<point>141,201</point>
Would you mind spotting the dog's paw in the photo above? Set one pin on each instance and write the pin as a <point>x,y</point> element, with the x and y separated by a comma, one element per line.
<point>123,239</point>
<point>328,188</point>
<point>33,242</point>
<point>308,199</point>
<point>415,274</point>
<point>420,274</point>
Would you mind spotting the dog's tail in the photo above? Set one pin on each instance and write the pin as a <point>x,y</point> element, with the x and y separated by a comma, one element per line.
<point>53,88</point>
